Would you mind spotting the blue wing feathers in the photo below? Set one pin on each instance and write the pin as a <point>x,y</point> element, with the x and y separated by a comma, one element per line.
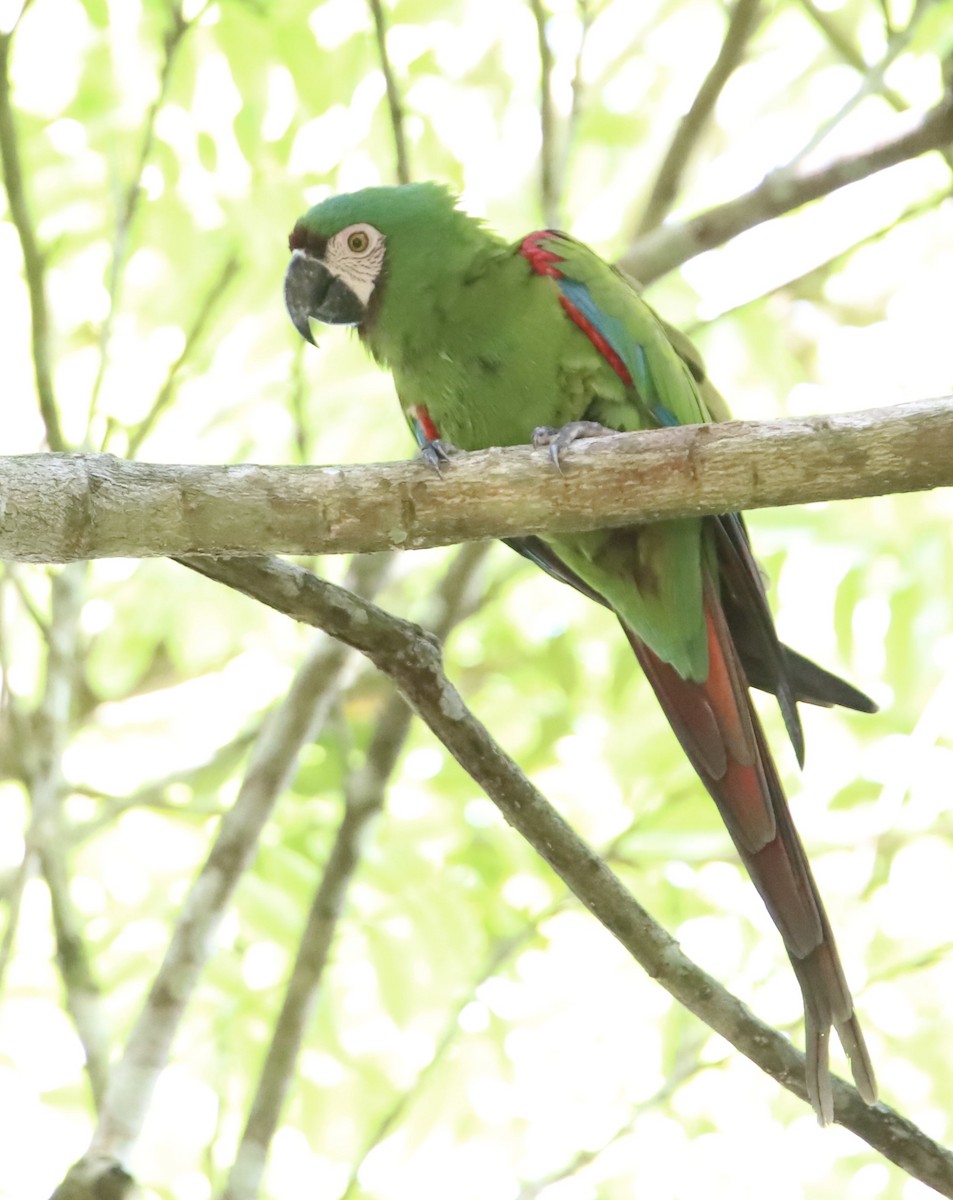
<point>631,353</point>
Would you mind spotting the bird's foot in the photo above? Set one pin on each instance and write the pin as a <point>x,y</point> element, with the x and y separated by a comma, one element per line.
<point>436,452</point>
<point>560,439</point>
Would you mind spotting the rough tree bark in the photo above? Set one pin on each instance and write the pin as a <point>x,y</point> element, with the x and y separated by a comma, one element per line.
<point>59,508</point>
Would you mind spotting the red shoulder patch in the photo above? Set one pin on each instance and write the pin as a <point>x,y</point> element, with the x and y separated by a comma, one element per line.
<point>542,261</point>
<point>546,262</point>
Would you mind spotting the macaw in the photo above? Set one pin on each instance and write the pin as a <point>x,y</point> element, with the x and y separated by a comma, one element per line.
<point>497,344</point>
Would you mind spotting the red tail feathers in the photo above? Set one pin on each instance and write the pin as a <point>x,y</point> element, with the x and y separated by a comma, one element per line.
<point>720,732</point>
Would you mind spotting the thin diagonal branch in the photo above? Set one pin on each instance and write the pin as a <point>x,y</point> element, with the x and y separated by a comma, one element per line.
<point>293,723</point>
<point>585,14</point>
<point>411,658</point>
<point>687,1065</point>
<point>131,199</point>
<point>741,26</point>
<point>138,433</point>
<point>153,795</point>
<point>821,270</point>
<point>43,762</point>
<point>550,185</point>
<point>12,718</point>
<point>14,905</point>
<point>365,793</point>
<point>244,1178</point>
<point>33,265</point>
<point>504,949</point>
<point>298,396</point>
<point>842,44</point>
<point>666,248</point>
<point>13,576</point>
<point>394,102</point>
<point>872,77</point>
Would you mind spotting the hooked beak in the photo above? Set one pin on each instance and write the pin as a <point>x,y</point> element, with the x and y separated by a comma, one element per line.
<point>314,292</point>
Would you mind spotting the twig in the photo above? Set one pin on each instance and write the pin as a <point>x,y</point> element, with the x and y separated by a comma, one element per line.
<point>298,393</point>
<point>394,102</point>
<point>549,182</point>
<point>504,949</point>
<point>741,26</point>
<point>42,759</point>
<point>14,899</point>
<point>84,1000</point>
<point>244,1178</point>
<point>584,10</point>
<point>365,792</point>
<point>687,1065</point>
<point>14,741</point>
<point>292,724</point>
<point>213,297</point>
<point>153,794</point>
<point>12,574</point>
<point>852,56</point>
<point>872,77</point>
<point>666,248</point>
<point>821,270</point>
<point>130,202</point>
<point>412,660</point>
<point>33,265</point>
<point>61,508</point>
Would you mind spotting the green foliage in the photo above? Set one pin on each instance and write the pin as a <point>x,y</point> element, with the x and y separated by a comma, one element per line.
<point>474,1031</point>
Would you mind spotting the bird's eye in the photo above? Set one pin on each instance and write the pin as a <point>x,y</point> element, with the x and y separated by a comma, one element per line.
<point>358,241</point>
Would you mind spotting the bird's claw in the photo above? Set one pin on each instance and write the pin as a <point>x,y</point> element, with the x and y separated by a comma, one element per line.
<point>562,438</point>
<point>436,452</point>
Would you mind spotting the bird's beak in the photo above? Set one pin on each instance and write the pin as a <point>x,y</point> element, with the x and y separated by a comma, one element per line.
<point>314,292</point>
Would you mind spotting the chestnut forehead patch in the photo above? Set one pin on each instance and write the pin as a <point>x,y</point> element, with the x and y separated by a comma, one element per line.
<point>302,238</point>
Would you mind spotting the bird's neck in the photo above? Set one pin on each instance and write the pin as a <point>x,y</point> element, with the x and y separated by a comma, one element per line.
<point>420,302</point>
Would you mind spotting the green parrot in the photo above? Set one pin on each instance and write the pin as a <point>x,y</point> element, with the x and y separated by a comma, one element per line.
<point>498,344</point>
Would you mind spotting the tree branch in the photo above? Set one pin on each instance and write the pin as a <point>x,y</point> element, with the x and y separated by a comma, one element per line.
<point>33,266</point>
<point>411,658</point>
<point>130,201</point>
<point>872,77</point>
<point>138,433</point>
<point>364,795</point>
<point>741,25</point>
<point>394,102</point>
<point>782,191</point>
<point>550,184</point>
<point>871,73</point>
<point>290,726</point>
<point>688,1063</point>
<point>501,950</point>
<point>42,752</point>
<point>57,508</point>
<point>301,995</point>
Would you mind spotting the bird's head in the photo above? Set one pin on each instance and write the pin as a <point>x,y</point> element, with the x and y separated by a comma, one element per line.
<point>332,277</point>
<point>348,250</point>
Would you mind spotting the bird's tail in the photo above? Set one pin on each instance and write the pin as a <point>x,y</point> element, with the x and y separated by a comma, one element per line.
<point>720,732</point>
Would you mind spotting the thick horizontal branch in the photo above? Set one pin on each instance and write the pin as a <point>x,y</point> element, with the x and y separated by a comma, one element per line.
<point>59,508</point>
